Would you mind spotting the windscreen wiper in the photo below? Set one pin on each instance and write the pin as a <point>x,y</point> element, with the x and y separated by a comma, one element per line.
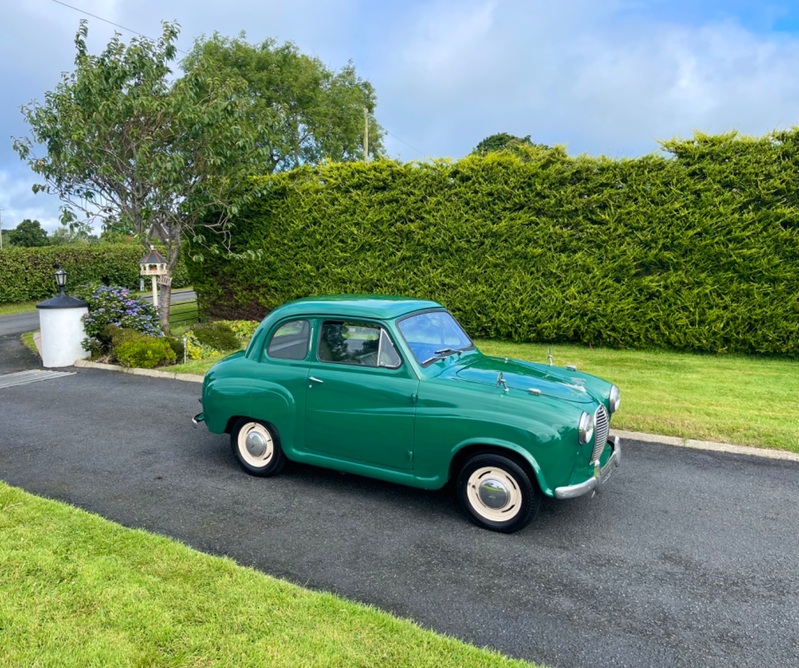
<point>442,354</point>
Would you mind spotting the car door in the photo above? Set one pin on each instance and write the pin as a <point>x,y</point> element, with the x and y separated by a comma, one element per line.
<point>361,397</point>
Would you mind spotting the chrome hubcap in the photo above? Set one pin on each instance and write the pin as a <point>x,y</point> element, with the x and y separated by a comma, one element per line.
<point>493,493</point>
<point>255,444</point>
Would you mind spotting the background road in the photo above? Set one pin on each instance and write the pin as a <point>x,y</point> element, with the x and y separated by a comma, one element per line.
<point>18,323</point>
<point>687,558</point>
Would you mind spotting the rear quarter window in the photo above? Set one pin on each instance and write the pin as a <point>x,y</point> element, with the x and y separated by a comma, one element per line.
<point>290,341</point>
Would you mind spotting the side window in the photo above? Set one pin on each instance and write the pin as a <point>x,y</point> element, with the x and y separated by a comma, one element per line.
<point>290,341</point>
<point>361,344</point>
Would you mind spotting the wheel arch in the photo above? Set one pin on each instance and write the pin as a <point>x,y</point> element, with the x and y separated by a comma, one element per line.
<point>513,452</point>
<point>235,418</point>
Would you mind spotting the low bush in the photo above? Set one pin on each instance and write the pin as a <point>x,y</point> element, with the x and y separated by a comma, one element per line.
<point>119,335</point>
<point>177,346</point>
<point>196,350</point>
<point>145,352</point>
<point>244,329</point>
<point>217,335</point>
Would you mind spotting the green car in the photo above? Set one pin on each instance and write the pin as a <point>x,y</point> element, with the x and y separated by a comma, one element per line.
<point>393,388</point>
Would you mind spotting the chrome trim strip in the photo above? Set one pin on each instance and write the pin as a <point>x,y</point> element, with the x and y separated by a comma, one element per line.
<point>594,483</point>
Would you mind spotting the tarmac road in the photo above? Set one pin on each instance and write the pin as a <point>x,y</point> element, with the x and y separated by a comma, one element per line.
<point>688,558</point>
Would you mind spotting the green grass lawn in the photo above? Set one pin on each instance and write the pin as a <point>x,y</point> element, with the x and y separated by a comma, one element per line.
<point>78,590</point>
<point>730,398</point>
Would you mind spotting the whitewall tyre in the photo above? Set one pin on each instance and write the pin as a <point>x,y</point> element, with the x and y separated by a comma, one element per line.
<point>257,447</point>
<point>497,493</point>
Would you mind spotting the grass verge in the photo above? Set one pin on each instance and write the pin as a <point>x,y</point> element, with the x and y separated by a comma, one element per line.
<point>28,342</point>
<point>79,590</point>
<point>11,309</point>
<point>732,398</point>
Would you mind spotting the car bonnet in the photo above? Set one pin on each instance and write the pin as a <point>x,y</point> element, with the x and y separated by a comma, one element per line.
<point>548,381</point>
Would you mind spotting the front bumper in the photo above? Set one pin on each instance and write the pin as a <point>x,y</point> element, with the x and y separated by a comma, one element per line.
<point>595,482</point>
<point>197,419</point>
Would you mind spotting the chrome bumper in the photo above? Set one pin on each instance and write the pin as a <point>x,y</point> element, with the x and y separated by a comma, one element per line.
<point>197,419</point>
<point>594,483</point>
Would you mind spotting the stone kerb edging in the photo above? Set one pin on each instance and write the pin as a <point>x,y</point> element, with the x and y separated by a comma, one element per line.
<point>151,373</point>
<point>694,444</point>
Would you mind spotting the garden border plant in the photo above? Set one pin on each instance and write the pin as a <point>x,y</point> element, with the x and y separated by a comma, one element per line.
<point>123,327</point>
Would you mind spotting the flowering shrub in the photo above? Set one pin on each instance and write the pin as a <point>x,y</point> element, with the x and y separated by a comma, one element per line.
<point>115,306</point>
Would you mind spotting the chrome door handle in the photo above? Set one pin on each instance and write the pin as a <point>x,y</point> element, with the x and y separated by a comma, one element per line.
<point>315,380</point>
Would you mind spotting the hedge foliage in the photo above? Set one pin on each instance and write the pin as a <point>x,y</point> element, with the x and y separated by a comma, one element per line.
<point>27,274</point>
<point>696,250</point>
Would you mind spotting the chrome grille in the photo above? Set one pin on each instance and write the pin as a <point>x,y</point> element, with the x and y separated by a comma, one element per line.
<point>601,428</point>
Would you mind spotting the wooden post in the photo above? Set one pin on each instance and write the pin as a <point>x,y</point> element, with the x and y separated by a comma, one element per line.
<point>365,134</point>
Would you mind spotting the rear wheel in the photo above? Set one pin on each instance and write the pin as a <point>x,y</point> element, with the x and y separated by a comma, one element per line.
<point>496,493</point>
<point>257,448</point>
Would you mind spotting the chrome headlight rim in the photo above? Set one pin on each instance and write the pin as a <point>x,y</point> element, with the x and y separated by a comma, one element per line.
<point>614,400</point>
<point>585,428</point>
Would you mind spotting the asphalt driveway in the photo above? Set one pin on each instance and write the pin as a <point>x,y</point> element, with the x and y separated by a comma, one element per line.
<point>687,559</point>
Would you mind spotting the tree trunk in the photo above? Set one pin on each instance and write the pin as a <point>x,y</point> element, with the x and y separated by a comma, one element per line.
<point>165,287</point>
<point>165,299</point>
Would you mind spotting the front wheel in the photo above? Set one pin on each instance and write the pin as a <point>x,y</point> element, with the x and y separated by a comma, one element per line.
<point>497,493</point>
<point>257,448</point>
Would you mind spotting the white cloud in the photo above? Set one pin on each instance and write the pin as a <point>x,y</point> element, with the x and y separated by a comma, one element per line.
<point>600,77</point>
<point>18,203</point>
<point>454,43</point>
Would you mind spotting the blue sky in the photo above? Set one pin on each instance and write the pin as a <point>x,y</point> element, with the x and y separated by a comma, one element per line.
<point>599,77</point>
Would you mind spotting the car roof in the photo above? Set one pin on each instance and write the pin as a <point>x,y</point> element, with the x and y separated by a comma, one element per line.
<point>382,307</point>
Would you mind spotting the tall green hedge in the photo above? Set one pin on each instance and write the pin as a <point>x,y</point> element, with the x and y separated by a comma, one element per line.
<point>27,274</point>
<point>694,250</point>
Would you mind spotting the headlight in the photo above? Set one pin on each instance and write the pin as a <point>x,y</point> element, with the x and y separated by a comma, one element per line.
<point>585,431</point>
<point>615,399</point>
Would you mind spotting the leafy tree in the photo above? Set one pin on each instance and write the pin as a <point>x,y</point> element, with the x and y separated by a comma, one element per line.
<point>302,112</point>
<point>128,144</point>
<point>29,233</point>
<point>64,235</point>
<point>502,141</point>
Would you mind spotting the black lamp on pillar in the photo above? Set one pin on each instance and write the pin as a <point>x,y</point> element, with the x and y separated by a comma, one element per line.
<point>61,281</point>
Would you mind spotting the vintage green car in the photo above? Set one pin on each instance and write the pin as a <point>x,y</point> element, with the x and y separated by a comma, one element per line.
<point>393,388</point>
